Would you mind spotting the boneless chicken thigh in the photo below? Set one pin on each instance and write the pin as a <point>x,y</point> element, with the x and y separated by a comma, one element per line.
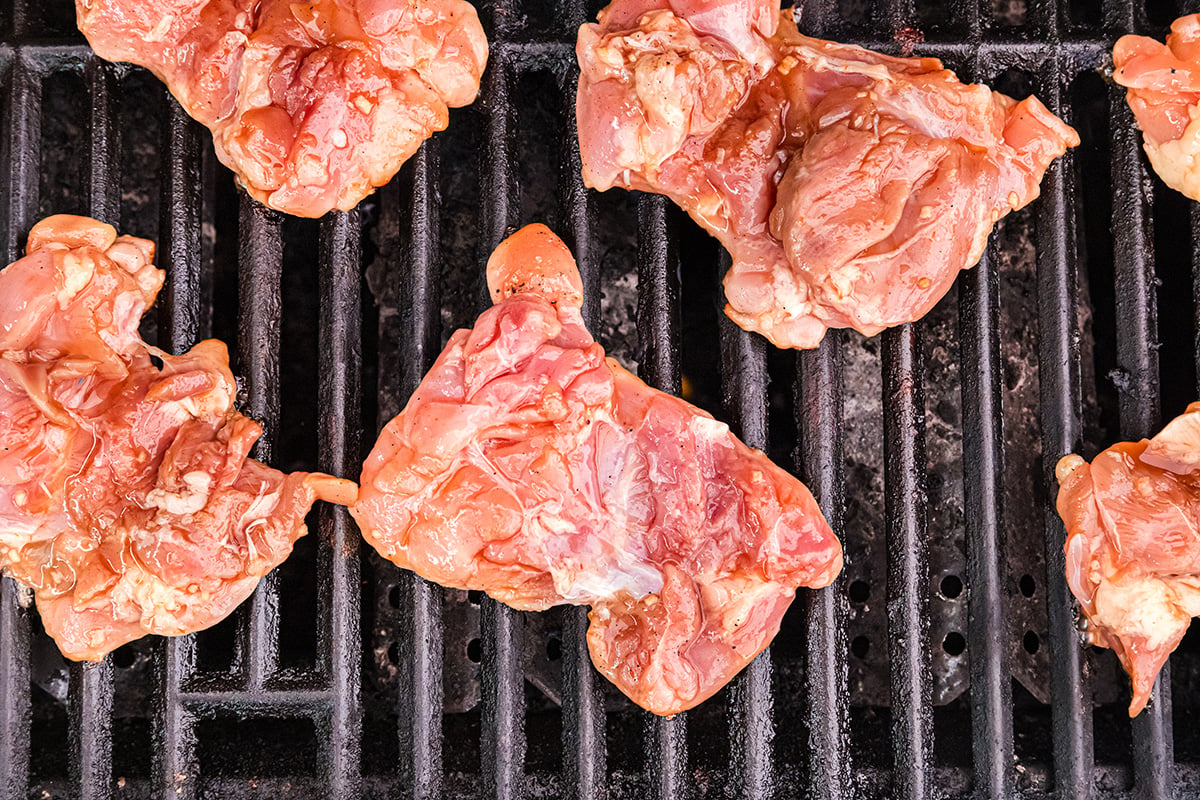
<point>127,501</point>
<point>849,187</point>
<point>1164,95</point>
<point>1133,545</point>
<point>528,465</point>
<point>312,104</point>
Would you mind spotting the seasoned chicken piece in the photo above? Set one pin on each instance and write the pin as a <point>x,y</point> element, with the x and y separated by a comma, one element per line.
<point>127,501</point>
<point>1164,94</point>
<point>1133,545</point>
<point>528,465</point>
<point>849,187</point>
<point>311,104</point>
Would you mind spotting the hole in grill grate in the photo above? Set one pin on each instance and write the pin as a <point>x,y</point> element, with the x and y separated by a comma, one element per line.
<point>444,695</point>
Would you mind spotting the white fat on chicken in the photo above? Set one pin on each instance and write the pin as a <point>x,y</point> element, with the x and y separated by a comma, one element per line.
<point>1177,162</point>
<point>1147,610</point>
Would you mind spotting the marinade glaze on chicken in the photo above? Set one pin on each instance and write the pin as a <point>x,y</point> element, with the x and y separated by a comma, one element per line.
<point>311,104</point>
<point>849,187</point>
<point>1164,95</point>
<point>530,466</point>
<point>127,501</point>
<point>1133,545</point>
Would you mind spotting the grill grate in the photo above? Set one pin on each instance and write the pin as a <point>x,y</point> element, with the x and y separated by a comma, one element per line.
<point>388,695</point>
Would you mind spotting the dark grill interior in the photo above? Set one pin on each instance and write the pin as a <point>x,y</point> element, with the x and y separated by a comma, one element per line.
<point>931,448</point>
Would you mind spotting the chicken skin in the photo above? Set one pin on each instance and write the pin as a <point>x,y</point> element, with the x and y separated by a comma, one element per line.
<point>127,500</point>
<point>1163,80</point>
<point>849,187</point>
<point>530,466</point>
<point>312,105</point>
<point>1133,545</point>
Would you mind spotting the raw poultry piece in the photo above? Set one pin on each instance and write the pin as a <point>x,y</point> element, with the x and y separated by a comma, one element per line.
<point>1133,545</point>
<point>127,501</point>
<point>311,104</point>
<point>848,186</point>
<point>528,465</point>
<point>1164,94</point>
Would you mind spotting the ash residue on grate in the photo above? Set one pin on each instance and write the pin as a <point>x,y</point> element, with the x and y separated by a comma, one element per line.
<point>866,562</point>
<point>866,550</point>
<point>615,213</point>
<point>1024,525</point>
<point>944,487</point>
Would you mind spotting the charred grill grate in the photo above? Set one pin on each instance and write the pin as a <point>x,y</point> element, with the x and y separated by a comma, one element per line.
<point>376,683</point>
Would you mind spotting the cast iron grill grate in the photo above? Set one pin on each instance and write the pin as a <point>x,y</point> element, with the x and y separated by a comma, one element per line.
<point>952,624</point>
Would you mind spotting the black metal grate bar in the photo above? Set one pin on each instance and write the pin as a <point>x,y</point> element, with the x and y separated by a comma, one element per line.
<point>179,238</point>
<point>1195,224</point>
<point>420,697</point>
<point>175,735</point>
<point>983,489</point>
<point>908,566</point>
<point>340,398</point>
<point>819,420</point>
<point>583,712</point>
<point>576,202</point>
<point>22,161</point>
<point>503,701</point>
<point>497,174</point>
<point>260,313</point>
<point>15,709</point>
<point>1137,358</point>
<point>304,702</point>
<point>744,388</point>
<point>1059,387</point>
<point>983,471</point>
<point>90,697</point>
<point>1136,305</point>
<point>895,15</point>
<point>104,145</point>
<point>658,296</point>
<point>1121,14</point>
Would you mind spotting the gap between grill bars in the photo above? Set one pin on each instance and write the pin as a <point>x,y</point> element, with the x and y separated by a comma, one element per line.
<point>788,725</point>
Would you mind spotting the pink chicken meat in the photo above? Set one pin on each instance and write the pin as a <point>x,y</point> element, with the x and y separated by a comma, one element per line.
<point>1164,94</point>
<point>127,501</point>
<point>530,466</point>
<point>312,105</point>
<point>1133,545</point>
<point>849,187</point>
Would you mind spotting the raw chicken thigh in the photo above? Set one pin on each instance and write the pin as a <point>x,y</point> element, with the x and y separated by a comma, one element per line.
<point>313,104</point>
<point>849,187</point>
<point>1164,94</point>
<point>1133,545</point>
<point>528,465</point>
<point>127,501</point>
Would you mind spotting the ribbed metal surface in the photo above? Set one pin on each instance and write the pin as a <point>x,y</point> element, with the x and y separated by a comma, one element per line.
<point>387,283</point>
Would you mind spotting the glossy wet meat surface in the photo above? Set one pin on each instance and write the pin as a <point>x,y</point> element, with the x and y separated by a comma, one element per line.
<point>528,465</point>
<point>313,105</point>
<point>849,187</point>
<point>127,500</point>
<point>1163,81</point>
<point>1133,545</point>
